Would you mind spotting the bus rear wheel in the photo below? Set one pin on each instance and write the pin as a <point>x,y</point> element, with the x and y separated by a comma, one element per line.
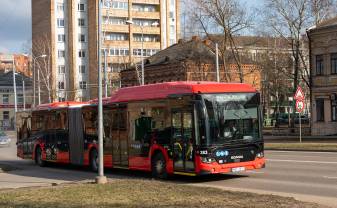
<point>38,157</point>
<point>158,166</point>
<point>94,160</point>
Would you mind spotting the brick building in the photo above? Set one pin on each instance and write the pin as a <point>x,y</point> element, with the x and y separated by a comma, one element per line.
<point>192,60</point>
<point>22,63</point>
<point>323,65</point>
<point>66,31</point>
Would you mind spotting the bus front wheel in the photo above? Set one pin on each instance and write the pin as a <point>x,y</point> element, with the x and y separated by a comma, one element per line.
<point>38,157</point>
<point>159,166</point>
<point>94,160</point>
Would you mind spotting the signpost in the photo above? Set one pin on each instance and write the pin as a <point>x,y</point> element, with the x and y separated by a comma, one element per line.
<point>299,97</point>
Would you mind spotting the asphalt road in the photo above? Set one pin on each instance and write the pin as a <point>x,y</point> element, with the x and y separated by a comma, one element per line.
<point>308,176</point>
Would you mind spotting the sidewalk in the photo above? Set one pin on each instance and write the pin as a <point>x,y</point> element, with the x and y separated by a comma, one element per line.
<point>290,139</point>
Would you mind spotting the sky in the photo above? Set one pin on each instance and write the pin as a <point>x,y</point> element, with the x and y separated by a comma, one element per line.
<point>15,23</point>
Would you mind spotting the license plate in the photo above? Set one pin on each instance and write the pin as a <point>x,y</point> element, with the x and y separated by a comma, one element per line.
<point>238,169</point>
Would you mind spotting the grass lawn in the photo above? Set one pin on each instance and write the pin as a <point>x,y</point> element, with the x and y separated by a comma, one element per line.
<point>140,193</point>
<point>302,146</point>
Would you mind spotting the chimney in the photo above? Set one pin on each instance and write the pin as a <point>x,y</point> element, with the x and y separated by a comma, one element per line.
<point>207,42</point>
<point>195,38</point>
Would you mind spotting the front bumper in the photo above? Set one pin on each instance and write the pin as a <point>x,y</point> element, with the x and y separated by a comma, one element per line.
<point>216,168</point>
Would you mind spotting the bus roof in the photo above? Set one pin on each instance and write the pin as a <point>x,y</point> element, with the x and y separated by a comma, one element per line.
<point>163,90</point>
<point>56,105</point>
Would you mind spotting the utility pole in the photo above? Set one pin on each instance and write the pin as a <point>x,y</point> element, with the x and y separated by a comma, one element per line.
<point>105,75</point>
<point>217,63</point>
<point>15,101</point>
<point>24,93</point>
<point>100,179</point>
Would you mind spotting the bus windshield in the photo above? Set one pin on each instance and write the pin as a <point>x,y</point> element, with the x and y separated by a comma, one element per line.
<point>231,117</point>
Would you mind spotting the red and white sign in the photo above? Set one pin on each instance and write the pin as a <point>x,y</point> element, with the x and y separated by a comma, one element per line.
<point>299,105</point>
<point>299,95</point>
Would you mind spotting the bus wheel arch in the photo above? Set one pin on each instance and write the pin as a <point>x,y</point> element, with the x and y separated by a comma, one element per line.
<point>93,161</point>
<point>159,165</point>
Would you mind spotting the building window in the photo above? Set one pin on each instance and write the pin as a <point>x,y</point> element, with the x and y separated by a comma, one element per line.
<point>61,85</point>
<point>81,54</point>
<point>61,53</point>
<point>81,7</point>
<point>60,7</point>
<point>61,69</point>
<point>83,85</point>
<point>81,22</point>
<point>116,5</point>
<point>60,22</point>
<point>20,98</point>
<point>81,38</point>
<point>116,36</point>
<point>334,109</point>
<point>61,38</point>
<point>62,99</point>
<point>5,115</point>
<point>81,69</point>
<point>5,99</point>
<point>334,63</point>
<point>145,7</point>
<point>320,109</point>
<point>146,38</point>
<point>319,64</point>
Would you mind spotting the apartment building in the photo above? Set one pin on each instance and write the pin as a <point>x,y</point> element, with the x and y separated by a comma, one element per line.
<point>67,31</point>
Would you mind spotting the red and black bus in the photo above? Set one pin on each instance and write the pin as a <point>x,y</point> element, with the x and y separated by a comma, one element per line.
<point>188,128</point>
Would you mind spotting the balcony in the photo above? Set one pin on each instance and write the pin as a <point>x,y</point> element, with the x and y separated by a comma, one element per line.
<point>147,45</point>
<point>115,12</point>
<point>146,2</point>
<point>146,15</point>
<point>115,28</point>
<point>146,30</point>
<point>116,43</point>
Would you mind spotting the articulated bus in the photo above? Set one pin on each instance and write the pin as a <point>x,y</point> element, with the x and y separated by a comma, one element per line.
<point>187,128</point>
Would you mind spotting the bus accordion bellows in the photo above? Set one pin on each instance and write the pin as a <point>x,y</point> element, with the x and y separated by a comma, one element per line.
<point>187,128</point>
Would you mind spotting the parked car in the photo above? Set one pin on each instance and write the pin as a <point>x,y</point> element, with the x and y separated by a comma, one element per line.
<point>4,139</point>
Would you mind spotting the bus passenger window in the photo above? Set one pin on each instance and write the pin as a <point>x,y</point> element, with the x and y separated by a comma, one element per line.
<point>142,126</point>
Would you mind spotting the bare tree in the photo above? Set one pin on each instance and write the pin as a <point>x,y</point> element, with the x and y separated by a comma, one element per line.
<point>42,46</point>
<point>289,19</point>
<point>228,18</point>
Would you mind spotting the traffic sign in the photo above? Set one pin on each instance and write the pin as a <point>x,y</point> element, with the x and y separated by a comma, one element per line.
<point>299,105</point>
<point>299,95</point>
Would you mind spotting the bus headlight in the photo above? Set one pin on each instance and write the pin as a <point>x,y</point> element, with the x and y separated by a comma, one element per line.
<point>207,160</point>
<point>260,155</point>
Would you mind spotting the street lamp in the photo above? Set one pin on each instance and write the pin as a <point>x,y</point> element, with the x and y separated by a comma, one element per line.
<point>38,79</point>
<point>100,179</point>
<point>130,22</point>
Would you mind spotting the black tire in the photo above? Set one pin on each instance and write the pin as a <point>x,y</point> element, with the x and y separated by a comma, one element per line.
<point>94,160</point>
<point>38,157</point>
<point>158,166</point>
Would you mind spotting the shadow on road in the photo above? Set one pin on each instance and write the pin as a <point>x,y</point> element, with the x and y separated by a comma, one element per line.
<point>71,173</point>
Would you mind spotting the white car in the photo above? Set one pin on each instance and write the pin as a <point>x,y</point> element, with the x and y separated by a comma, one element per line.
<point>4,140</point>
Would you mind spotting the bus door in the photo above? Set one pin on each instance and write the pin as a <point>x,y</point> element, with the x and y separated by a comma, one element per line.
<point>76,136</point>
<point>120,153</point>
<point>183,151</point>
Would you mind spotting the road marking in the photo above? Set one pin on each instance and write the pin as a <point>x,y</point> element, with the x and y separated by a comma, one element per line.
<point>302,161</point>
<point>330,177</point>
<point>311,152</point>
<point>252,171</point>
